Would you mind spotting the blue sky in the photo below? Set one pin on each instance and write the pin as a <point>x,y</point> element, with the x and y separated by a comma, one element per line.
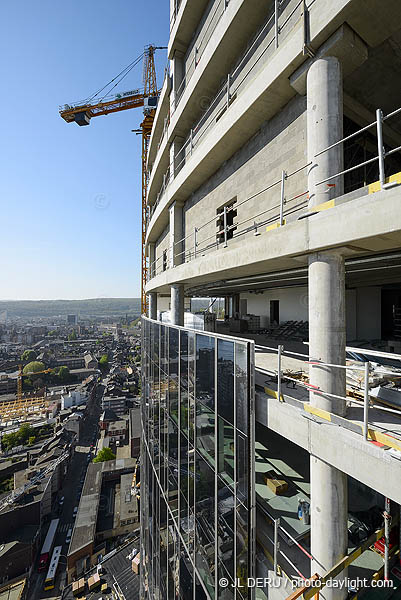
<point>70,196</point>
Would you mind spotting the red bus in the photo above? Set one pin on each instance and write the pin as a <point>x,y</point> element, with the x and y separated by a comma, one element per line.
<point>48,545</point>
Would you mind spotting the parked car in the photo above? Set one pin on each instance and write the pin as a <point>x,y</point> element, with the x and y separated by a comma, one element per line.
<point>61,501</point>
<point>74,514</point>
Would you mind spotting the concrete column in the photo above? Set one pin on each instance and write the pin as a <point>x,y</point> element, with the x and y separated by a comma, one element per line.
<point>327,331</point>
<point>329,514</point>
<point>324,127</point>
<point>177,304</point>
<point>329,508</point>
<point>176,233</point>
<point>152,305</point>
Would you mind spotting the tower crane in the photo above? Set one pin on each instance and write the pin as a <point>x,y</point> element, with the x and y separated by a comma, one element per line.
<point>82,112</point>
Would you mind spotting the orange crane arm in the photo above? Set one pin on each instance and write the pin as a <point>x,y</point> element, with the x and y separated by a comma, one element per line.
<point>75,113</point>
<point>82,114</point>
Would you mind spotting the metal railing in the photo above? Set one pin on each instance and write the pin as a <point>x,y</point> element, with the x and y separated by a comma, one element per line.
<point>196,245</point>
<point>381,152</point>
<point>360,385</point>
<point>275,214</point>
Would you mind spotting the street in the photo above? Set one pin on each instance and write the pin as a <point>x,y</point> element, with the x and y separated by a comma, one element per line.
<point>71,492</point>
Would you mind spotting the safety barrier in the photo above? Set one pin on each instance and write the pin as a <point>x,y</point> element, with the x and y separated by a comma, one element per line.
<point>279,211</point>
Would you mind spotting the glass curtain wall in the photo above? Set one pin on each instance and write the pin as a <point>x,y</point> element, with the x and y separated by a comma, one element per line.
<point>197,472</point>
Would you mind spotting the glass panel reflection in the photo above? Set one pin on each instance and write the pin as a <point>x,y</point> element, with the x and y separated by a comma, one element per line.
<point>205,364</point>
<point>225,380</point>
<point>195,481</point>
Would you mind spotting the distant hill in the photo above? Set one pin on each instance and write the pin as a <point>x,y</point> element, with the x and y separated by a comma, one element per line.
<point>84,308</point>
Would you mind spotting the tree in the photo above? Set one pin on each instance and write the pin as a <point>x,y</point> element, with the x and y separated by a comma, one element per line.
<point>25,432</point>
<point>34,367</point>
<point>103,362</point>
<point>28,355</point>
<point>64,373</point>
<point>72,336</point>
<point>9,440</point>
<point>103,455</point>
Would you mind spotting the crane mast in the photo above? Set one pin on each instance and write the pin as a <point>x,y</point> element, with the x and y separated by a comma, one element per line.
<point>82,113</point>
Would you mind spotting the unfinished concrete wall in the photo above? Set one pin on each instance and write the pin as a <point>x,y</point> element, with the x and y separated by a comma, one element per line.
<point>279,144</point>
<point>161,245</point>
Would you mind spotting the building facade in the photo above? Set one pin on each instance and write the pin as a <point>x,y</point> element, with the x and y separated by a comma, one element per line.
<point>197,471</point>
<point>275,171</point>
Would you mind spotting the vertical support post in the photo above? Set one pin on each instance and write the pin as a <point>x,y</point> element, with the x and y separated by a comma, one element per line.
<point>177,304</point>
<point>380,146</point>
<point>279,354</point>
<point>225,227</point>
<point>191,140</point>
<point>195,241</point>
<point>324,128</point>
<point>196,57</point>
<point>276,545</point>
<point>366,401</point>
<point>276,28</point>
<point>282,197</point>
<point>152,305</point>
<point>387,521</point>
<point>228,89</point>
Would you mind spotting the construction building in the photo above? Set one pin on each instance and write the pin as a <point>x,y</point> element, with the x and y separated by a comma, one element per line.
<point>274,183</point>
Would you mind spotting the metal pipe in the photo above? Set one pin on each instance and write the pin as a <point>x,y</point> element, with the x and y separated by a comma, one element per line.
<point>282,198</point>
<point>392,151</point>
<point>380,146</point>
<point>276,28</point>
<point>279,355</point>
<point>392,114</point>
<point>366,402</point>
<point>366,162</point>
<point>195,242</point>
<point>276,543</point>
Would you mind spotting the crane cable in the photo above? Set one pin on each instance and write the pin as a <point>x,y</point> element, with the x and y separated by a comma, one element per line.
<point>127,69</point>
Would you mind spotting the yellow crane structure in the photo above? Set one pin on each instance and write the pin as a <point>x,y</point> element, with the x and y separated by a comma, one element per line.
<point>81,113</point>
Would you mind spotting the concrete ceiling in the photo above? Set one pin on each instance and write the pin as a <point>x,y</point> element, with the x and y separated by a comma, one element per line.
<point>382,269</point>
